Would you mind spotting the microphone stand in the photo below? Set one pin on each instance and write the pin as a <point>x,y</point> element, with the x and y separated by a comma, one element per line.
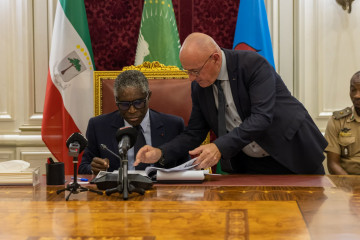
<point>125,185</point>
<point>75,187</point>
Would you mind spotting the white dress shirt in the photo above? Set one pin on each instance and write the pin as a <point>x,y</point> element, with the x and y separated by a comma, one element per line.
<point>232,117</point>
<point>145,125</point>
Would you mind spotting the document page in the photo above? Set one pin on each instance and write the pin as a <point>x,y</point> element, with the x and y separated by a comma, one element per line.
<point>185,166</point>
<point>183,173</point>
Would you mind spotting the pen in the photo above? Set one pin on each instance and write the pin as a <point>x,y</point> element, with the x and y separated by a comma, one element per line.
<point>81,179</point>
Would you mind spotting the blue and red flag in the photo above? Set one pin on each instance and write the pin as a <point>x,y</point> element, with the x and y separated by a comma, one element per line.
<point>252,29</point>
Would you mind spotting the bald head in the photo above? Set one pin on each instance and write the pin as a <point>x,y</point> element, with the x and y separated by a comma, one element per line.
<point>355,91</point>
<point>355,78</point>
<point>202,57</point>
<point>198,44</point>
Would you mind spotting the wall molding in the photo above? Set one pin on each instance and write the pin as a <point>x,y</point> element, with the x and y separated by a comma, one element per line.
<point>12,140</point>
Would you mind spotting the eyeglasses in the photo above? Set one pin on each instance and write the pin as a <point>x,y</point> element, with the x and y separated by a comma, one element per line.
<point>138,104</point>
<point>196,72</point>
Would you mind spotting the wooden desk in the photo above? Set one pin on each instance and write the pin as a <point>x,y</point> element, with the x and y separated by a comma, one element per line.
<point>223,207</point>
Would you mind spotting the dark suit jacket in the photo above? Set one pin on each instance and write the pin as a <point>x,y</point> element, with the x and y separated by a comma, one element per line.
<point>102,130</point>
<point>273,118</point>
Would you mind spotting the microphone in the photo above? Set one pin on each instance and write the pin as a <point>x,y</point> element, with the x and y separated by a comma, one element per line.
<point>104,147</point>
<point>126,138</point>
<point>126,184</point>
<point>76,144</point>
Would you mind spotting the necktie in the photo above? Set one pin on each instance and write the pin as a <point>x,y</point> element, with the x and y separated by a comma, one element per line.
<point>140,142</point>
<point>225,165</point>
<point>221,110</point>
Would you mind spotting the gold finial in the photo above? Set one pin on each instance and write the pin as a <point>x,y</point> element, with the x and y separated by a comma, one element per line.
<point>158,70</point>
<point>345,4</point>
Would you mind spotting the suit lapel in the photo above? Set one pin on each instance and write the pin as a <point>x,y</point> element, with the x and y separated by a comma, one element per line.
<point>116,123</point>
<point>237,93</point>
<point>157,129</point>
<point>157,134</point>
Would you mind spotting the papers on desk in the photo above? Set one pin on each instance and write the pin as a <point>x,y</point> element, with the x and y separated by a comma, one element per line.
<point>183,173</point>
<point>18,172</point>
<point>180,176</point>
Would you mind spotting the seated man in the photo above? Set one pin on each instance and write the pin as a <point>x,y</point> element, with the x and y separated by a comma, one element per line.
<point>132,94</point>
<point>342,133</point>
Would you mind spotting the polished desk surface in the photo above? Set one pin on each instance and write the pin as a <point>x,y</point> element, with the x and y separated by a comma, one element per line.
<point>223,207</point>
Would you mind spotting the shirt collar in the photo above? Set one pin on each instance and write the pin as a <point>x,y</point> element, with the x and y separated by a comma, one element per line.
<point>223,75</point>
<point>145,123</point>
<point>354,116</point>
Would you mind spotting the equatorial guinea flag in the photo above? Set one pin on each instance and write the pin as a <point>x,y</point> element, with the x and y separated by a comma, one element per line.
<point>158,37</point>
<point>252,29</point>
<point>69,91</point>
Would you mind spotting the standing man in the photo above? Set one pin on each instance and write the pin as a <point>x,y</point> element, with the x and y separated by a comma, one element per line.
<point>132,94</point>
<point>343,134</point>
<point>265,130</point>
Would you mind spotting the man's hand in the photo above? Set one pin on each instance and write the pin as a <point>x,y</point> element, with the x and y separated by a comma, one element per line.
<point>99,164</point>
<point>147,154</point>
<point>209,155</point>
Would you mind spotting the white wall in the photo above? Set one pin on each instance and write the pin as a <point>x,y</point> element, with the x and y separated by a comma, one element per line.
<point>327,55</point>
<point>315,46</point>
<point>24,51</point>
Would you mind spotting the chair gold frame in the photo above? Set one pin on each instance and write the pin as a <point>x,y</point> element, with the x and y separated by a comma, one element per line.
<point>152,70</point>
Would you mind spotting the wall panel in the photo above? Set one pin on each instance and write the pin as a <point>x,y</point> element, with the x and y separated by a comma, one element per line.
<point>326,56</point>
<point>6,59</point>
<point>7,154</point>
<point>338,52</point>
<point>36,156</point>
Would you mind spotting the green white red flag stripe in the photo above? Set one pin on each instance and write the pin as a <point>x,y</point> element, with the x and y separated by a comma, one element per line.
<point>69,92</point>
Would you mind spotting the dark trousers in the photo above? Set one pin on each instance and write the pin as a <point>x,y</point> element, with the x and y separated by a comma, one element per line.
<point>264,165</point>
<point>245,164</point>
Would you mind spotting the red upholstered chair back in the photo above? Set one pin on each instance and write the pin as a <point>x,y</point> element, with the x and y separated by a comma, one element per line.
<point>171,92</point>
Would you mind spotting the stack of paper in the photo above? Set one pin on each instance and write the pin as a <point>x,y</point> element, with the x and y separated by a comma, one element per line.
<point>183,173</point>
<point>17,172</point>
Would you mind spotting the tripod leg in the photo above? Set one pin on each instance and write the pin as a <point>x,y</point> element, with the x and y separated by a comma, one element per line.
<point>132,188</point>
<point>84,189</point>
<point>94,191</point>
<point>61,190</point>
<point>68,196</point>
<point>113,190</point>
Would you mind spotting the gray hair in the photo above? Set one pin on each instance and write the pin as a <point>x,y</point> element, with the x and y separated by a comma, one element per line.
<point>131,78</point>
